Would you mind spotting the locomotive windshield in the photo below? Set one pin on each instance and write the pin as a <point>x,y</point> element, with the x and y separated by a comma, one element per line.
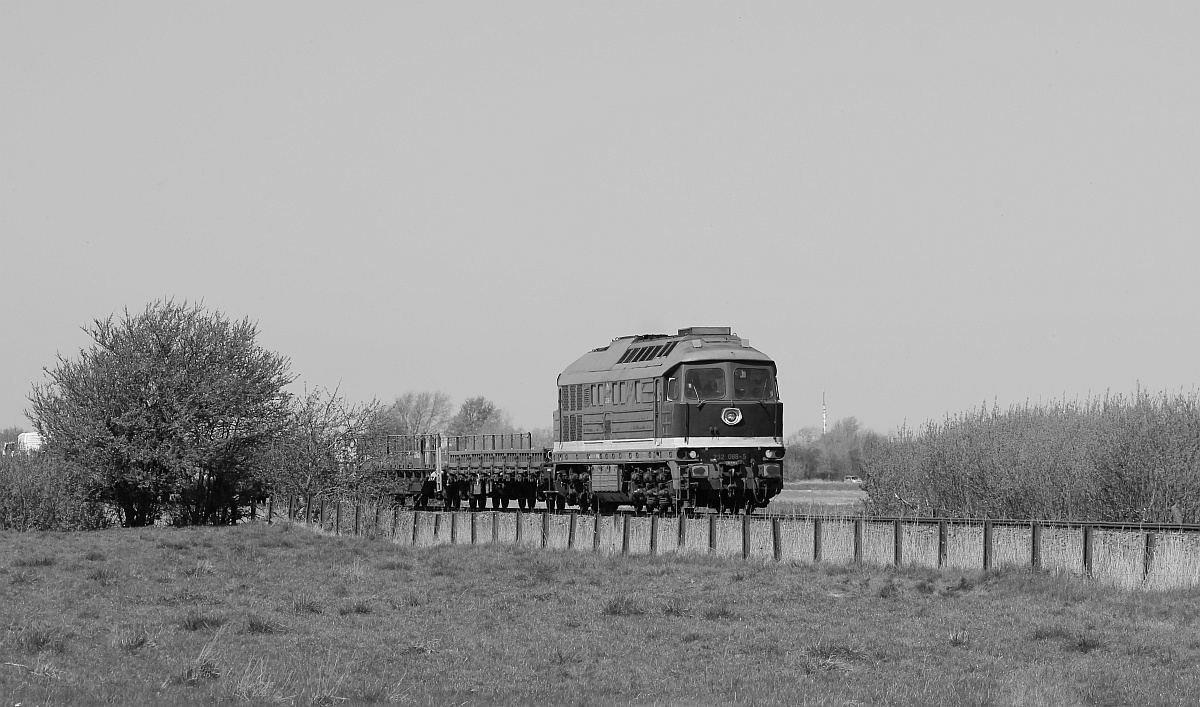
<point>753,384</point>
<point>704,383</point>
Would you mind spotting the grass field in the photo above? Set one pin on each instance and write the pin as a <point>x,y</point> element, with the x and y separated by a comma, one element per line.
<point>264,614</point>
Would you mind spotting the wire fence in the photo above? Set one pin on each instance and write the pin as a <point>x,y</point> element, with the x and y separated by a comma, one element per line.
<point>1153,557</point>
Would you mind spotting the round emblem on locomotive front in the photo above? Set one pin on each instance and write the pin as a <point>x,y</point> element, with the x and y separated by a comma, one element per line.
<point>731,416</point>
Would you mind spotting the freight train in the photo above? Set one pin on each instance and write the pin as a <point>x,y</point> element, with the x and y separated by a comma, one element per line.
<point>662,423</point>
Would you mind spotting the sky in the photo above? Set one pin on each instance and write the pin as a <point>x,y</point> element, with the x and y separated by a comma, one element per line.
<point>914,208</point>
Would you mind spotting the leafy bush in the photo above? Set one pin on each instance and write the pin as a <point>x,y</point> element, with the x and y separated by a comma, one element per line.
<point>1113,458</point>
<point>39,492</point>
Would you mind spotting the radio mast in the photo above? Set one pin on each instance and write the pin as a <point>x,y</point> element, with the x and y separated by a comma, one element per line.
<point>823,418</point>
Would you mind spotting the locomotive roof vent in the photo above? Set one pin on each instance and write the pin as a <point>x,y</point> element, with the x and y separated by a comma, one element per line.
<point>706,331</point>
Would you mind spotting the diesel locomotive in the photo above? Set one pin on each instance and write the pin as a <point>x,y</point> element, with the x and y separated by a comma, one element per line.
<point>664,423</point>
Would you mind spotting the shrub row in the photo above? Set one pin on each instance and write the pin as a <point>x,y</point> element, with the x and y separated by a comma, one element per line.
<point>1115,458</point>
<point>39,492</point>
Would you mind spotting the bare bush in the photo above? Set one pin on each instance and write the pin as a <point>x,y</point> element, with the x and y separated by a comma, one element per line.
<point>1113,458</point>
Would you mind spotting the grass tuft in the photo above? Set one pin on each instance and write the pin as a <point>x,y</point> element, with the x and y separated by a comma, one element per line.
<point>129,638</point>
<point>358,606</point>
<point>35,639</point>
<point>675,607</point>
<point>24,577</point>
<point>1042,633</point>
<point>831,657</point>
<point>258,624</point>
<point>198,621</point>
<point>718,613</point>
<point>305,603</point>
<point>392,565</point>
<point>94,556</point>
<point>202,568</point>
<point>254,686</point>
<point>34,561</point>
<point>622,605</point>
<point>104,576</point>
<point>1084,644</point>
<point>203,668</point>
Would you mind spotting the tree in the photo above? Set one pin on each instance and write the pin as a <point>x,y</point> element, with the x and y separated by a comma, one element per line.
<point>833,455</point>
<point>417,414</point>
<point>169,410</point>
<point>9,434</point>
<point>324,447</point>
<point>479,415</point>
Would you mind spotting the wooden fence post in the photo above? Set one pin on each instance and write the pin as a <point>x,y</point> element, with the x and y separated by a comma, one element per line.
<point>253,507</point>
<point>746,536</point>
<point>437,527</point>
<point>817,540</point>
<point>337,517</point>
<point>943,537</point>
<point>270,509</point>
<point>1088,536</point>
<point>681,538</point>
<point>571,531</point>
<point>395,520</point>
<point>596,532</point>
<point>858,541</point>
<point>357,513</point>
<point>712,532</point>
<point>474,533</point>
<point>987,545</point>
<point>654,534</point>
<point>776,540</point>
<point>897,543</point>
<point>1035,546</point>
<point>291,506</point>
<point>1148,555</point>
<point>378,507</point>
<point>545,528</point>
<point>416,518</point>
<point>308,510</point>
<point>519,524</point>
<point>453,527</point>
<point>495,526</point>
<point>625,534</point>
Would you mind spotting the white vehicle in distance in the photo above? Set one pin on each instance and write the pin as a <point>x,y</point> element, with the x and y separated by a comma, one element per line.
<point>29,442</point>
<point>852,480</point>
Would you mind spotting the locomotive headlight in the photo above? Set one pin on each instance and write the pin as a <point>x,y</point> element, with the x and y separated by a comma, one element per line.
<point>731,416</point>
<point>692,454</point>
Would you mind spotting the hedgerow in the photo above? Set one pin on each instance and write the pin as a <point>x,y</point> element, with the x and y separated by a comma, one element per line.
<point>40,492</point>
<point>1112,458</point>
